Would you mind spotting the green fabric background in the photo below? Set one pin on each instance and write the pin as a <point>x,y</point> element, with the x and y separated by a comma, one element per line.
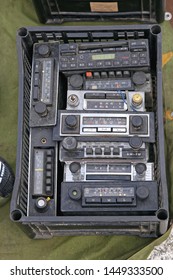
<point>14,244</point>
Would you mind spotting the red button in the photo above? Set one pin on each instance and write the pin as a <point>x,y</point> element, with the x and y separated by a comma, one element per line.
<point>89,74</point>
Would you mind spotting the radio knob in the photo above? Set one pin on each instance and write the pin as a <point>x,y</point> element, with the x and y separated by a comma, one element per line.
<point>137,99</point>
<point>139,78</point>
<point>69,143</point>
<point>135,142</point>
<point>73,100</point>
<point>140,168</point>
<point>71,121</point>
<point>142,192</point>
<point>44,50</point>
<point>41,109</point>
<point>74,167</point>
<point>76,81</point>
<point>41,204</point>
<point>137,122</point>
<point>75,193</point>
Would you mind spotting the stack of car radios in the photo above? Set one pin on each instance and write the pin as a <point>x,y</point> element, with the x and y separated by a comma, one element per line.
<point>91,156</point>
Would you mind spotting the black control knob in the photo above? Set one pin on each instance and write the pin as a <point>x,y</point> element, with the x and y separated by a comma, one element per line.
<point>71,121</point>
<point>139,78</point>
<point>6,181</point>
<point>137,122</point>
<point>142,192</point>
<point>135,142</point>
<point>75,193</point>
<point>140,168</point>
<point>76,81</point>
<point>44,50</point>
<point>74,167</point>
<point>41,204</point>
<point>69,143</point>
<point>41,109</point>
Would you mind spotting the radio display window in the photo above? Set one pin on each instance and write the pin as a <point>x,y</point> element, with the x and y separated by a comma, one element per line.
<point>104,121</point>
<point>47,72</point>
<point>103,56</point>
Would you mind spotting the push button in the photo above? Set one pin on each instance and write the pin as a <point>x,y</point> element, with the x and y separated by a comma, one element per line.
<point>96,75</point>
<point>134,62</point>
<point>36,80</point>
<point>124,200</point>
<point>93,200</point>
<point>119,74</point>
<point>104,75</point>
<point>37,66</point>
<point>126,74</point>
<point>64,65</point>
<point>89,75</point>
<point>98,151</point>
<point>143,61</point>
<point>35,94</point>
<point>90,64</point>
<point>72,65</point>
<point>108,200</point>
<point>89,151</point>
<point>108,63</point>
<point>115,151</point>
<point>111,74</point>
<point>82,64</point>
<point>99,64</point>
<point>107,151</point>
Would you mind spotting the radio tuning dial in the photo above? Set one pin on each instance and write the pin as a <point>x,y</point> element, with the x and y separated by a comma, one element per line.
<point>71,121</point>
<point>41,109</point>
<point>137,122</point>
<point>140,168</point>
<point>142,192</point>
<point>139,78</point>
<point>135,142</point>
<point>74,167</point>
<point>69,143</point>
<point>44,50</point>
<point>76,81</point>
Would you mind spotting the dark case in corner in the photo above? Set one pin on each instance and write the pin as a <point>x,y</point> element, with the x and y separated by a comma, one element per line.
<point>59,11</point>
<point>47,226</point>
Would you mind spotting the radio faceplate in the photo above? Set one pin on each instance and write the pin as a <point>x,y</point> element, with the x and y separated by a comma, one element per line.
<point>121,198</point>
<point>105,100</point>
<point>78,123</point>
<point>104,55</point>
<point>108,171</point>
<point>70,148</point>
<point>44,84</point>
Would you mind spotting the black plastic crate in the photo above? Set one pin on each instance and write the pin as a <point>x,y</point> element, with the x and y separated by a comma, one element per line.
<point>58,11</point>
<point>42,226</point>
